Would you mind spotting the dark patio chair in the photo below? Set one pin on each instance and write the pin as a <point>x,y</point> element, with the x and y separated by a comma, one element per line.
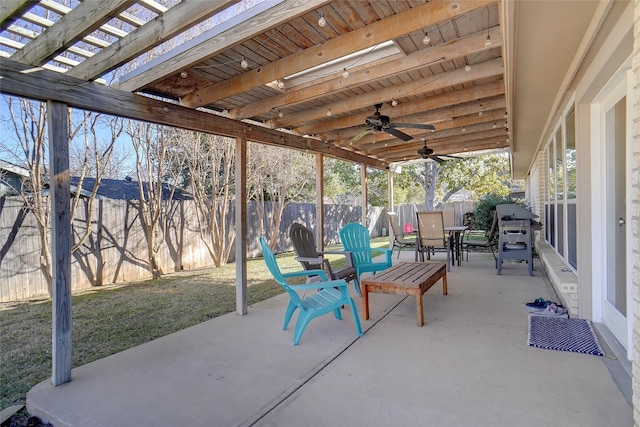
<point>311,259</point>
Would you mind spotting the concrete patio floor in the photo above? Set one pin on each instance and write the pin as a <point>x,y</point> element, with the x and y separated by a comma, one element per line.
<point>469,365</point>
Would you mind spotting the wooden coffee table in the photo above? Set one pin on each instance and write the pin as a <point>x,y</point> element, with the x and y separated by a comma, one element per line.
<point>405,278</point>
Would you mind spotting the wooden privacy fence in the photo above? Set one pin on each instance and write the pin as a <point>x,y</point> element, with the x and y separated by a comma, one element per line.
<point>116,250</point>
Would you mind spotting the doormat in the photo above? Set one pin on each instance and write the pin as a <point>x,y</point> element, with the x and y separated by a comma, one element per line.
<point>557,333</point>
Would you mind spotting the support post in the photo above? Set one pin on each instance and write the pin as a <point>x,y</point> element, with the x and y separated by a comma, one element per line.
<point>60,193</point>
<point>365,205</point>
<point>241,225</point>
<point>320,202</point>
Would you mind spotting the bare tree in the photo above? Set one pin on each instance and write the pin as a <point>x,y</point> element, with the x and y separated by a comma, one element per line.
<point>157,170</point>
<point>209,174</point>
<point>27,123</point>
<point>276,175</point>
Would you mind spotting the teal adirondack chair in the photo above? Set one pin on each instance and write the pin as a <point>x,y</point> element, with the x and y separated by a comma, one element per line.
<point>355,239</point>
<point>331,295</point>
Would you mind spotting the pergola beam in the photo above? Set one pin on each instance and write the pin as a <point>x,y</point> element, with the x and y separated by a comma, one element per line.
<point>81,20</point>
<point>366,74</point>
<point>390,28</point>
<point>176,20</point>
<point>217,41</point>
<point>37,83</point>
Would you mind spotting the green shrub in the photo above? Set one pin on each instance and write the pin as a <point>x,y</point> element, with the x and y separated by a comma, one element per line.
<point>485,208</point>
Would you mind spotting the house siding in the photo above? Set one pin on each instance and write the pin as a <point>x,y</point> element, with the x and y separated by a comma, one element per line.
<point>635,211</point>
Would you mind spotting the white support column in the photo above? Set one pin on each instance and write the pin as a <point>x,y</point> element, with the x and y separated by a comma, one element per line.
<point>60,193</point>
<point>320,202</point>
<point>365,205</point>
<point>241,226</point>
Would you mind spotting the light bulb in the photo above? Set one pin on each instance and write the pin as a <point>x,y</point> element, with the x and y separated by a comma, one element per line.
<point>487,42</point>
<point>480,113</point>
<point>280,84</point>
<point>467,68</point>
<point>394,103</point>
<point>464,129</point>
<point>280,114</point>
<point>184,74</point>
<point>329,113</point>
<point>426,39</point>
<point>244,63</point>
<point>322,22</point>
<point>495,125</point>
<point>345,73</point>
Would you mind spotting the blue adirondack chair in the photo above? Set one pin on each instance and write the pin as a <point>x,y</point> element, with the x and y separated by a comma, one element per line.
<point>331,295</point>
<point>355,239</point>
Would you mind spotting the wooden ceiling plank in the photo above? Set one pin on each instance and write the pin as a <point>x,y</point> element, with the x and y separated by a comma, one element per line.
<point>11,10</point>
<point>259,24</point>
<point>439,117</point>
<point>43,85</point>
<point>449,129</point>
<point>379,70</point>
<point>365,37</point>
<point>405,109</point>
<point>83,19</point>
<point>176,20</point>
<point>490,68</point>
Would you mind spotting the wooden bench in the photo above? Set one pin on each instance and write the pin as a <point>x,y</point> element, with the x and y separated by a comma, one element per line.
<point>405,278</point>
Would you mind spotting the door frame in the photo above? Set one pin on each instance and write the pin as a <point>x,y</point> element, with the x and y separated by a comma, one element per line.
<point>619,86</point>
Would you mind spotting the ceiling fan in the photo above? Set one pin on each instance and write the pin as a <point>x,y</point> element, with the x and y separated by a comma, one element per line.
<point>381,123</point>
<point>428,153</point>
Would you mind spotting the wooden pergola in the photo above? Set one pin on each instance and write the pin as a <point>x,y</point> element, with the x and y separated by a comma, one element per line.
<point>302,74</point>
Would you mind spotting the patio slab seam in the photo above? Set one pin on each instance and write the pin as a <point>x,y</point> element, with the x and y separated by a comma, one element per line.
<point>285,395</point>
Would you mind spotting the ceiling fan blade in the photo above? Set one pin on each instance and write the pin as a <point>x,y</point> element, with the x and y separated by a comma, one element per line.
<point>359,136</point>
<point>415,126</point>
<point>398,134</point>
<point>437,159</point>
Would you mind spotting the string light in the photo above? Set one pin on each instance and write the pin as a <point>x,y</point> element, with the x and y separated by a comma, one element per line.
<point>495,125</point>
<point>467,68</point>
<point>426,39</point>
<point>394,103</point>
<point>322,22</point>
<point>345,73</point>
<point>280,114</point>
<point>464,129</point>
<point>244,64</point>
<point>329,113</point>
<point>480,113</point>
<point>487,42</point>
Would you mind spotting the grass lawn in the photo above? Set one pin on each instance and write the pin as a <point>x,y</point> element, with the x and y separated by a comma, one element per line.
<point>111,319</point>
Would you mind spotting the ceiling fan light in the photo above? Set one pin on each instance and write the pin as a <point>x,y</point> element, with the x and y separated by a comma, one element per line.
<point>322,22</point>
<point>244,64</point>
<point>426,39</point>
